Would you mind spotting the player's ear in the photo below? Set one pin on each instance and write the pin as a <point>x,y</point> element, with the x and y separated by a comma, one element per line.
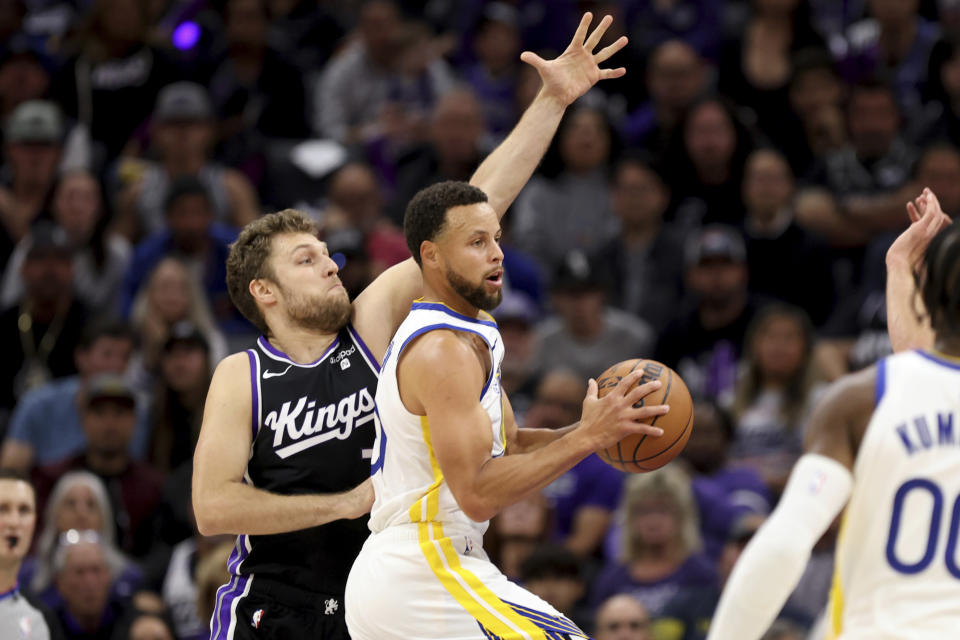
<point>429,253</point>
<point>262,291</point>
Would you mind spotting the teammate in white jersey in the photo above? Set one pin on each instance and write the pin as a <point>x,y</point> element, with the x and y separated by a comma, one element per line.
<point>885,443</point>
<point>448,454</point>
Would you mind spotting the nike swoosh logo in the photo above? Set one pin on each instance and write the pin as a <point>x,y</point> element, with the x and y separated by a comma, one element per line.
<point>272,374</point>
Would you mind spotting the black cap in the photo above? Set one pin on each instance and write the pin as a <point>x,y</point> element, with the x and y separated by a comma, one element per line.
<point>185,333</point>
<point>576,273</point>
<point>715,241</point>
<point>47,239</point>
<point>110,386</point>
<point>183,102</point>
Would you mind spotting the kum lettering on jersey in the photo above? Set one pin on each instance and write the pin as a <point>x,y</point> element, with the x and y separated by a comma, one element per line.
<point>335,420</point>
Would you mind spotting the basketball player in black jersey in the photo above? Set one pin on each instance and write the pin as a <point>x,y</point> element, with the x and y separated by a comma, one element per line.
<point>285,444</point>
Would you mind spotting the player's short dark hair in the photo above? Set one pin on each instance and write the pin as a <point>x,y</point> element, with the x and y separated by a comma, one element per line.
<point>248,258</point>
<point>427,211</point>
<point>939,282</point>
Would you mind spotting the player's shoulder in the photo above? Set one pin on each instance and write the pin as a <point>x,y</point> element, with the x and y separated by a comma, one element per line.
<point>233,368</point>
<point>439,348</point>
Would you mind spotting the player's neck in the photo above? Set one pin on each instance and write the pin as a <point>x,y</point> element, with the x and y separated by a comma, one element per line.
<point>8,576</point>
<point>301,345</point>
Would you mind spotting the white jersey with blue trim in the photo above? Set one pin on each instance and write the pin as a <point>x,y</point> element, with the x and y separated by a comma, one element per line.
<point>407,480</point>
<point>897,572</point>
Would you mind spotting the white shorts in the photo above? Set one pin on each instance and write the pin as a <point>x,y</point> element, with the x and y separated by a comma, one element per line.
<point>421,581</point>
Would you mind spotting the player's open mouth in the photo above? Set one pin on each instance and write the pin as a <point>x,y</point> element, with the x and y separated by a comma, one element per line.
<point>496,278</point>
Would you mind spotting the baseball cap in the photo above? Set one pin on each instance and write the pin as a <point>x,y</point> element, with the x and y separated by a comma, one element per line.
<point>716,241</point>
<point>110,386</point>
<point>575,273</point>
<point>21,46</point>
<point>185,333</point>
<point>36,121</point>
<point>183,101</point>
<point>516,307</point>
<point>46,239</point>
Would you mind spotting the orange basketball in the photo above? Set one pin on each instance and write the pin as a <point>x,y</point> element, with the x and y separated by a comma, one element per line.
<point>639,453</point>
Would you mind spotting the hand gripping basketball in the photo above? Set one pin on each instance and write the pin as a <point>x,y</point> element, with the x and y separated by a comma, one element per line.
<point>608,417</point>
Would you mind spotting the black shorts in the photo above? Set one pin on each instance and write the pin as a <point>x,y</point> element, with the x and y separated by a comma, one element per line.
<point>274,611</point>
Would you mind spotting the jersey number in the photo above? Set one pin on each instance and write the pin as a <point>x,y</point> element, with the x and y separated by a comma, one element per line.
<point>933,536</point>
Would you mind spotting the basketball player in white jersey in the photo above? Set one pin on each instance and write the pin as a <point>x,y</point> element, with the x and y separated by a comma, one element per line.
<point>448,454</point>
<point>285,423</point>
<point>885,444</point>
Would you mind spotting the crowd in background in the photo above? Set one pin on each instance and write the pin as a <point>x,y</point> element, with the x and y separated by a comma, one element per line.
<point>723,208</point>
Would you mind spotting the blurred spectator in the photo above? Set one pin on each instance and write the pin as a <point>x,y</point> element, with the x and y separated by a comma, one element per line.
<point>24,73</point>
<point>211,573</point>
<point>894,43</point>
<point>584,498</point>
<point>179,585</point>
<point>568,206</point>
<point>100,257</point>
<point>140,625</point>
<point>134,487</point>
<point>706,159</point>
<point>356,203</point>
<point>112,76</point>
<point>587,336</point>
<point>816,110</point>
<point>516,317</point>
<point>864,178</point>
<point>33,144</point>
<point>724,493</point>
<point>171,296</point>
<point>360,96</point>
<point>179,397</point>
<point>12,14</point>
<point>254,88</point>
<point>493,77</point>
<point>48,318</point>
<point>774,240</point>
<point>693,21</point>
<point>83,578</point>
<point>78,502</point>
<point>554,574</point>
<point>642,267</point>
<point>774,393</point>
<point>939,169</point>
<point>755,64</point>
<point>660,543</point>
<point>516,532</point>
<point>622,617</point>
<point>183,134</point>
<point>47,423</point>
<point>452,151</point>
<point>943,88</point>
<point>192,236</point>
<point>676,77</point>
<point>704,342</point>
<point>309,31</point>
<point>18,517</point>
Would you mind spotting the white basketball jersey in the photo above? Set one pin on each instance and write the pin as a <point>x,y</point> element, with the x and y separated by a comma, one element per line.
<point>898,563</point>
<point>407,480</point>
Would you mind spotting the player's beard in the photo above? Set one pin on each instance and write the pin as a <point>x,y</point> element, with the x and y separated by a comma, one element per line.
<point>477,294</point>
<point>323,314</point>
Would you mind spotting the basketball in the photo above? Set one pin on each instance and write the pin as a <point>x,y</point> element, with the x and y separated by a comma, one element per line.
<point>640,452</point>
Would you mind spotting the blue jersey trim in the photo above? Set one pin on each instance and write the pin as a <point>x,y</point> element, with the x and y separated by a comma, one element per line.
<point>881,385</point>
<point>938,359</point>
<point>254,396</point>
<point>452,327</point>
<point>9,594</point>
<point>438,306</point>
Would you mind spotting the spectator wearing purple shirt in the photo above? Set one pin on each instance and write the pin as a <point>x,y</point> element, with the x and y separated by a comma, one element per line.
<point>661,551</point>
<point>494,76</point>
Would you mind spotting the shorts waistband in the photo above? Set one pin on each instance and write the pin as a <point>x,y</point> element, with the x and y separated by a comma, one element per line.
<point>411,532</point>
<point>289,595</point>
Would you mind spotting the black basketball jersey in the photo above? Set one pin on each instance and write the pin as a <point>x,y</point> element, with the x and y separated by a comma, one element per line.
<point>313,432</point>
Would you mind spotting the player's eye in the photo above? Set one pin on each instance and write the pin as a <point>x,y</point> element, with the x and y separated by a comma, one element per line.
<point>478,242</point>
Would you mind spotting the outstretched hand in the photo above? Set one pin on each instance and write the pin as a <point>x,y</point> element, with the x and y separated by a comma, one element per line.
<point>927,219</point>
<point>571,75</point>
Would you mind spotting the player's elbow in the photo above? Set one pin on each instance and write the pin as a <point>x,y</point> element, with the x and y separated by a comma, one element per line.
<point>208,514</point>
<point>476,507</point>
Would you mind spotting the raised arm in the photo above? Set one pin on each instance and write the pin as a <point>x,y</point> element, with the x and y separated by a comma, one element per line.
<point>505,171</point>
<point>222,502</point>
<point>910,328</point>
<point>441,377</point>
<point>383,305</point>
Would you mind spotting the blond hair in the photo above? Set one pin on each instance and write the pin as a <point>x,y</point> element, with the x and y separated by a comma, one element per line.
<point>669,482</point>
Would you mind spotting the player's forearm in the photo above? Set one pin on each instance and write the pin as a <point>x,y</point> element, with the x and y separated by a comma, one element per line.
<point>237,508</point>
<point>508,168</point>
<point>505,480</point>
<point>907,329</point>
<point>529,440</point>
